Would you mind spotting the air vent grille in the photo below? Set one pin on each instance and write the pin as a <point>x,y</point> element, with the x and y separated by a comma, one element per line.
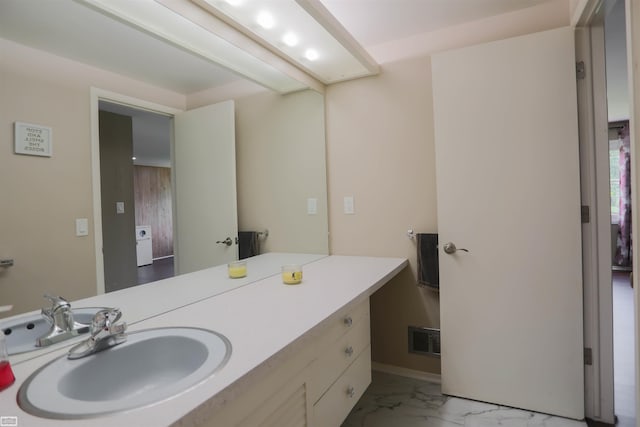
<point>424,341</point>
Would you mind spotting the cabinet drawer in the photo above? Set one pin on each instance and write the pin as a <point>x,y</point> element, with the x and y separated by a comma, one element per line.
<point>335,357</point>
<point>347,320</point>
<point>337,402</point>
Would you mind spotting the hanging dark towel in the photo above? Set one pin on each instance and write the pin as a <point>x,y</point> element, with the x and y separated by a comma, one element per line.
<point>248,244</point>
<point>428,272</point>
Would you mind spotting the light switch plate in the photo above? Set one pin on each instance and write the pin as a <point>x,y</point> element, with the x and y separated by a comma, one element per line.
<point>82,227</point>
<point>119,207</point>
<point>312,206</point>
<point>348,205</point>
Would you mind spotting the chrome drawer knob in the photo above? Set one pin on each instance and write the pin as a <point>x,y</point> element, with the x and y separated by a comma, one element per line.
<point>348,321</point>
<point>351,391</point>
<point>349,351</point>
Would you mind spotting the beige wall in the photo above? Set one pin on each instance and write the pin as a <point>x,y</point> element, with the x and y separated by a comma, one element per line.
<point>381,151</point>
<point>42,197</point>
<point>280,156</point>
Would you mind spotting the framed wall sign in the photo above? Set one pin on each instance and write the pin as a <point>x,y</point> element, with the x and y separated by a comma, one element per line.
<point>33,140</point>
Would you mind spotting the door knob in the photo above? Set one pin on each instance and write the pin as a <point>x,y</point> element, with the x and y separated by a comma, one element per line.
<point>450,248</point>
<point>226,241</point>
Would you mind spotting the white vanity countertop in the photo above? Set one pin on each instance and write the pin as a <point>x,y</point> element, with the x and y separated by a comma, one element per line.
<point>261,320</point>
<point>142,302</point>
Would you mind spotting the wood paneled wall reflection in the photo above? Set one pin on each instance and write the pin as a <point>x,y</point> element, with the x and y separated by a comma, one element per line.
<point>152,191</point>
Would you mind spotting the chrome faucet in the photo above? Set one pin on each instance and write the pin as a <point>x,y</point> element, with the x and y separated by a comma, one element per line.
<point>60,317</point>
<point>105,333</point>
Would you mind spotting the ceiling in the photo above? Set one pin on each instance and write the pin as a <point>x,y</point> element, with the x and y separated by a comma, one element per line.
<point>71,30</point>
<point>76,31</point>
<point>374,22</point>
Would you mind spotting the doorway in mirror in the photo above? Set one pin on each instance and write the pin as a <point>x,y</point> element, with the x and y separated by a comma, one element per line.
<point>136,195</point>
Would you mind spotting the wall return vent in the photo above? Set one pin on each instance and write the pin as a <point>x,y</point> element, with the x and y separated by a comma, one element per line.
<point>424,341</point>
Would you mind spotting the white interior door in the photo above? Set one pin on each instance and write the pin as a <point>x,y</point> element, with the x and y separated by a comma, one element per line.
<point>508,191</point>
<point>205,187</point>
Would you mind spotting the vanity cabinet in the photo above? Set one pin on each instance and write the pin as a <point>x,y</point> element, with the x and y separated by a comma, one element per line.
<point>342,369</point>
<point>300,354</point>
<point>315,386</point>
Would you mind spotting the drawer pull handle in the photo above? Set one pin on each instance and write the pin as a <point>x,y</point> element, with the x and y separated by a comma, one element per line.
<point>351,391</point>
<point>349,351</point>
<point>348,321</point>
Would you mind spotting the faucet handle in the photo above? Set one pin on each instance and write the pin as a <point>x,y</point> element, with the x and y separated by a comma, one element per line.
<point>57,302</point>
<point>104,319</point>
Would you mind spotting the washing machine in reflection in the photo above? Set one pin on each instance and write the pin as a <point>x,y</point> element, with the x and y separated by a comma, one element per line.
<point>143,245</point>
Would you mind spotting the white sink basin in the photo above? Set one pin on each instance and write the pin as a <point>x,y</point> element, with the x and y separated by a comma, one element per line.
<point>21,334</point>
<point>151,366</point>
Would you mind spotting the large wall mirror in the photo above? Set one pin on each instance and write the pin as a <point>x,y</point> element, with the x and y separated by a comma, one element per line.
<point>47,79</point>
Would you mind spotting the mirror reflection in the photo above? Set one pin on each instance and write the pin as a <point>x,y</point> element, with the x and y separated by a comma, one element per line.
<point>279,163</point>
<point>149,135</point>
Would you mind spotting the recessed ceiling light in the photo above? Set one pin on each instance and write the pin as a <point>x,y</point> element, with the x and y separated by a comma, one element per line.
<point>290,39</point>
<point>265,20</point>
<point>311,54</point>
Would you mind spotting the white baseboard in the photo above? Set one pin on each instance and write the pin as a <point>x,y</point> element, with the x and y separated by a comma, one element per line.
<point>405,372</point>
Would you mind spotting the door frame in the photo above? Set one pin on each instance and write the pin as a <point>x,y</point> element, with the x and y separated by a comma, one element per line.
<point>97,95</point>
<point>596,240</point>
<point>599,393</point>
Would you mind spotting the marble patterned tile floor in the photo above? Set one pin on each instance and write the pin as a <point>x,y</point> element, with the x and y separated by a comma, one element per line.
<point>395,401</point>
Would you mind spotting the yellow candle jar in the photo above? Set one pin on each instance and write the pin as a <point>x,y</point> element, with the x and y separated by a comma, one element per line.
<point>291,274</point>
<point>237,269</point>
